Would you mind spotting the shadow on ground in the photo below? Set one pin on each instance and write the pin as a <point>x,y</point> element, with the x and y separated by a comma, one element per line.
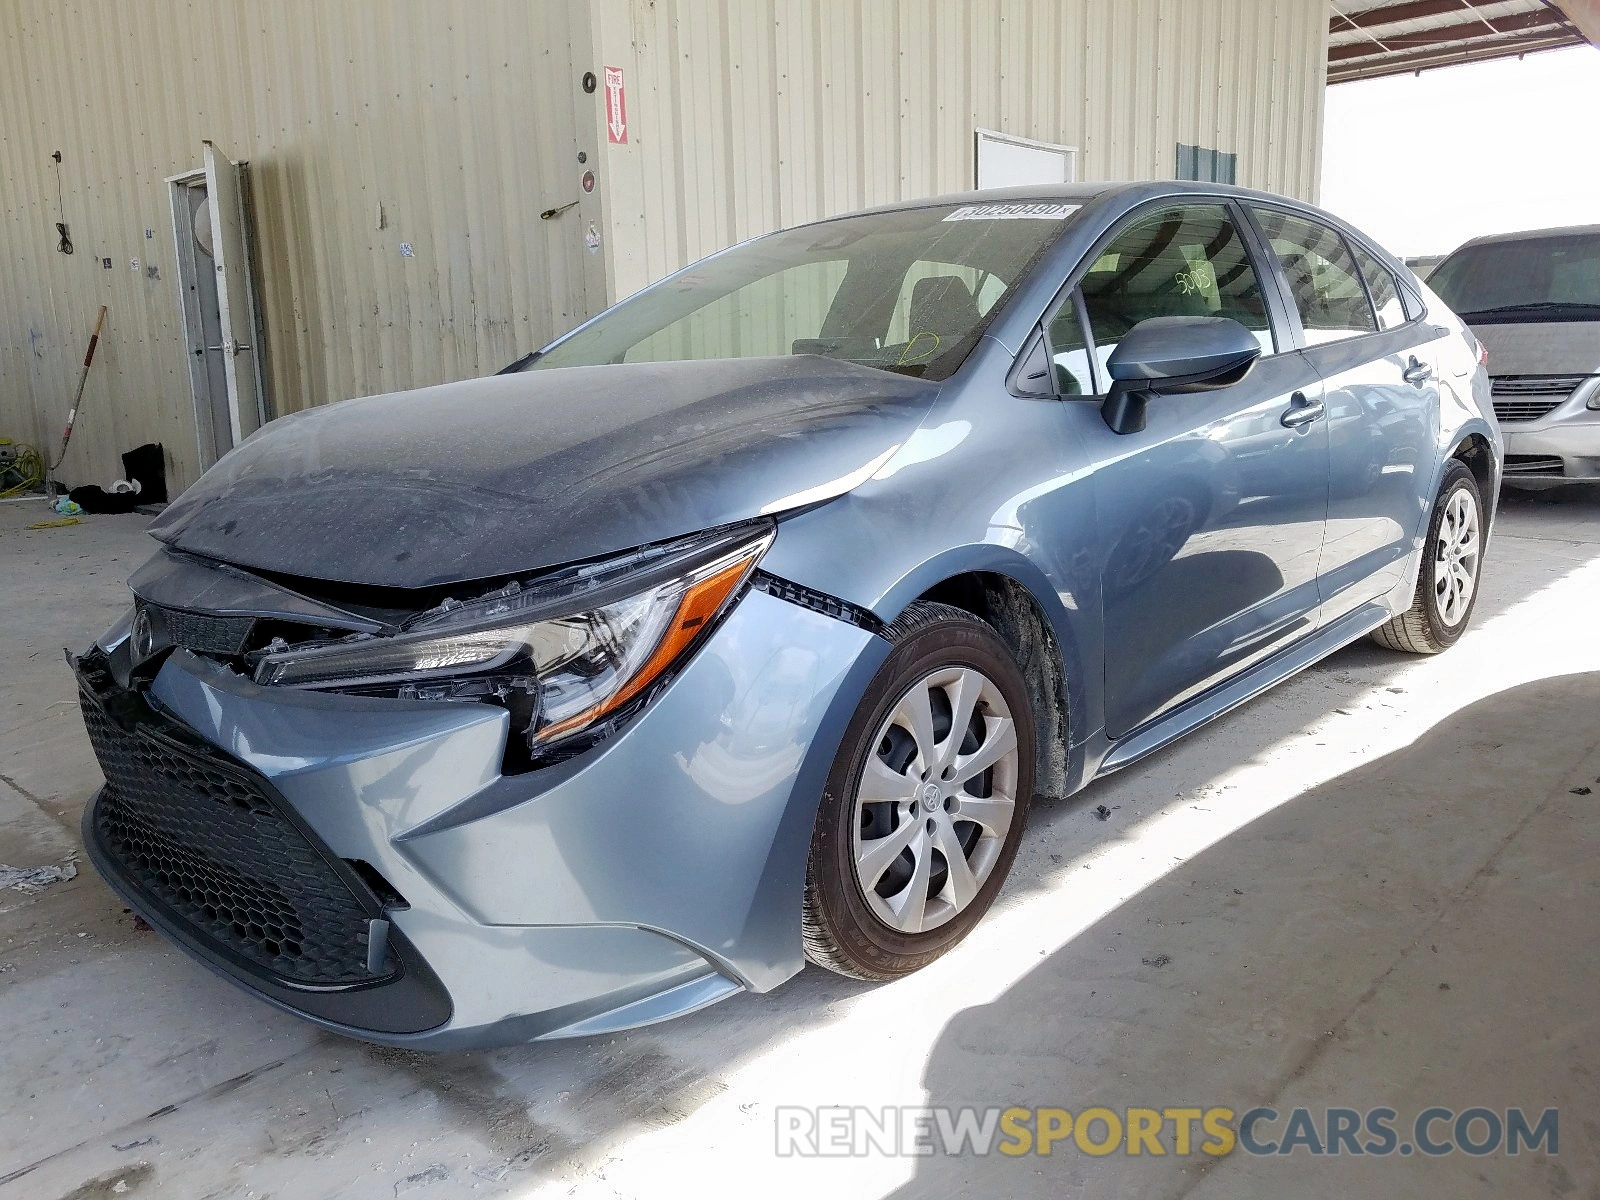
<point>240,1096</point>
<point>658,1076</point>
<point>1389,966</point>
<point>670,1070</point>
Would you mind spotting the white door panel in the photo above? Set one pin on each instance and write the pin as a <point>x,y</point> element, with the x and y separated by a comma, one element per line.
<point>230,255</point>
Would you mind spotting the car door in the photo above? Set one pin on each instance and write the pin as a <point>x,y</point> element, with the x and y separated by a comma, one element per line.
<point>1381,395</point>
<point>1210,519</point>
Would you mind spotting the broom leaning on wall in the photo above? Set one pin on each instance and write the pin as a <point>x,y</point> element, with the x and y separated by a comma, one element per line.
<point>77,398</point>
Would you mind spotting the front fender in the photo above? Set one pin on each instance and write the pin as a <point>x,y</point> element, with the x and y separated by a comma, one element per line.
<point>839,550</point>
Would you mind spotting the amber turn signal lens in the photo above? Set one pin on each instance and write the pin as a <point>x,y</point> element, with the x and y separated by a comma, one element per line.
<point>701,602</point>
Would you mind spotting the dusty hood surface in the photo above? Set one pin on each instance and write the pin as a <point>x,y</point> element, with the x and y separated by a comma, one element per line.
<point>1541,347</point>
<point>514,473</point>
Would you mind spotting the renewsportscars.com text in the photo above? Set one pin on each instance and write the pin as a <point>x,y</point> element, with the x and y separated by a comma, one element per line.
<point>856,1131</point>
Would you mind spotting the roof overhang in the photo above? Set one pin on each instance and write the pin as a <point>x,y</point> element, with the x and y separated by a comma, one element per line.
<point>1395,37</point>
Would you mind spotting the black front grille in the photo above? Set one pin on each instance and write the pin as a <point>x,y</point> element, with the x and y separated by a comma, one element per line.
<point>200,632</point>
<point>207,840</point>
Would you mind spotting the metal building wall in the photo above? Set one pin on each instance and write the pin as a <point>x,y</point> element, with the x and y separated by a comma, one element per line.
<point>463,118</point>
<point>458,117</point>
<point>750,115</point>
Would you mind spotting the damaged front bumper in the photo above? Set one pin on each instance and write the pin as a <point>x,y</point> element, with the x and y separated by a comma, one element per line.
<point>363,862</point>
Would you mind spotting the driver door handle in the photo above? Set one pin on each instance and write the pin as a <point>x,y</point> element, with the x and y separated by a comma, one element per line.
<point>1417,373</point>
<point>1301,411</point>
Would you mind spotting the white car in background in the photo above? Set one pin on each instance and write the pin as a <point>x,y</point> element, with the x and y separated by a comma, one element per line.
<point>1533,299</point>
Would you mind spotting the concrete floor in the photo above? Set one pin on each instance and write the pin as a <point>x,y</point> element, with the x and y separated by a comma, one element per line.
<point>1376,886</point>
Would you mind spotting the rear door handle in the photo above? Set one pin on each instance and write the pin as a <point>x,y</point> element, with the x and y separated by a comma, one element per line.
<point>1417,373</point>
<point>1301,411</point>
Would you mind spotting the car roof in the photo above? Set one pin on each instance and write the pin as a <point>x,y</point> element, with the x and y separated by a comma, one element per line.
<point>1128,192</point>
<point>1528,235</point>
<point>1081,193</point>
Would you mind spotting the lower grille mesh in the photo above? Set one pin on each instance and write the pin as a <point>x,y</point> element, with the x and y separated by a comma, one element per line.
<point>211,845</point>
<point>1534,464</point>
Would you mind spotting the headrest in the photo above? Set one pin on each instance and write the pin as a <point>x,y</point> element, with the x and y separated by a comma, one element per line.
<point>943,305</point>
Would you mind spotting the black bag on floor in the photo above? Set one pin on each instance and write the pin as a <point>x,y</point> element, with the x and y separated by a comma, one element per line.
<point>147,464</point>
<point>93,498</point>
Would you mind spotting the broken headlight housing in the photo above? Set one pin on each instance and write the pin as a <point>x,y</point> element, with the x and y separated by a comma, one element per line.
<point>562,655</point>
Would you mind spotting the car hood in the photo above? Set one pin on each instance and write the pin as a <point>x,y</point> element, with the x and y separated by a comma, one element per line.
<point>1541,347</point>
<point>515,473</point>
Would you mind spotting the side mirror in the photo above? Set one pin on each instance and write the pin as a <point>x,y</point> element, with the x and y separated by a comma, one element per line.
<point>1166,356</point>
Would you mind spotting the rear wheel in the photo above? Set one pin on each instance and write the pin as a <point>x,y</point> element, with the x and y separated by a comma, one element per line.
<point>926,802</point>
<point>1447,585</point>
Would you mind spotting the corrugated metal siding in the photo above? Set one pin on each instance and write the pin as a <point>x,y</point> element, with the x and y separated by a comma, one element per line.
<point>751,115</point>
<point>458,117</point>
<point>462,119</point>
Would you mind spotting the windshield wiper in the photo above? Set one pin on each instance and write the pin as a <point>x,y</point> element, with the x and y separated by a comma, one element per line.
<point>522,364</point>
<point>1535,306</point>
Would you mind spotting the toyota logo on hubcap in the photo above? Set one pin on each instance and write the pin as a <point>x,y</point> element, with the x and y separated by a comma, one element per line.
<point>930,796</point>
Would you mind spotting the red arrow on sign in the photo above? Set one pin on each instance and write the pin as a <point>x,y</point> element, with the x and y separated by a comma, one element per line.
<point>616,108</point>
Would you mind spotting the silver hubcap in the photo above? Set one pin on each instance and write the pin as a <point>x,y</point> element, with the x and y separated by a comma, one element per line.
<point>1455,558</point>
<point>936,799</point>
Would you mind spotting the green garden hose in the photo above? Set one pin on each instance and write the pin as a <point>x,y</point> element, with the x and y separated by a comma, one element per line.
<point>22,474</point>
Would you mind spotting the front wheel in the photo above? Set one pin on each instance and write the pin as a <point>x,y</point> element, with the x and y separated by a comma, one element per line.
<point>1447,585</point>
<point>925,804</point>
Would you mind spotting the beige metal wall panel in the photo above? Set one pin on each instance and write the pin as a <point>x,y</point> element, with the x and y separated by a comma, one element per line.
<point>450,124</point>
<point>458,118</point>
<point>751,115</point>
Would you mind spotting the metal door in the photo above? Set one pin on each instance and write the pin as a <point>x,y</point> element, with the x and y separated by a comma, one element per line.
<point>230,256</point>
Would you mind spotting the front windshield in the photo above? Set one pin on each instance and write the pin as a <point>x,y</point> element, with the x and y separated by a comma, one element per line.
<point>910,290</point>
<point>1557,278</point>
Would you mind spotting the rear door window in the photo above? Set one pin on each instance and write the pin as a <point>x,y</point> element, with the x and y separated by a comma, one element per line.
<point>1322,275</point>
<point>1385,291</point>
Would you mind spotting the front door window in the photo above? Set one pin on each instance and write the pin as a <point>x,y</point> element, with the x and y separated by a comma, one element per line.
<point>1188,261</point>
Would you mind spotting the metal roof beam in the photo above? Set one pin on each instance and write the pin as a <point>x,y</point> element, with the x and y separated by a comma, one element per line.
<point>1394,14</point>
<point>1444,56</point>
<point>1459,36</point>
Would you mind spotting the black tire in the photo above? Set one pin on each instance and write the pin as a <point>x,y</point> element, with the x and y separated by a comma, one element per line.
<point>841,930</point>
<point>1422,628</point>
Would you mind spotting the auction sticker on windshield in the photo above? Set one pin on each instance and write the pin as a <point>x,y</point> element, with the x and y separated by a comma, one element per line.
<point>1022,210</point>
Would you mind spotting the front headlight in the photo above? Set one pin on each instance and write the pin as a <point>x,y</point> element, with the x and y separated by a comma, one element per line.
<point>562,657</point>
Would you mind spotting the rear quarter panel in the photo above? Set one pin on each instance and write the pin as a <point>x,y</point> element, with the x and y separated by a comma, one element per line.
<point>1466,406</point>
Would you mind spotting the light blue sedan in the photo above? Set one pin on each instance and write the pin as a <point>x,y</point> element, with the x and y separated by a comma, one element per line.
<point>742,625</point>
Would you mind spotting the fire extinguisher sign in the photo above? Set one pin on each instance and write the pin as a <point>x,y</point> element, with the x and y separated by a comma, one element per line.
<point>616,108</point>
